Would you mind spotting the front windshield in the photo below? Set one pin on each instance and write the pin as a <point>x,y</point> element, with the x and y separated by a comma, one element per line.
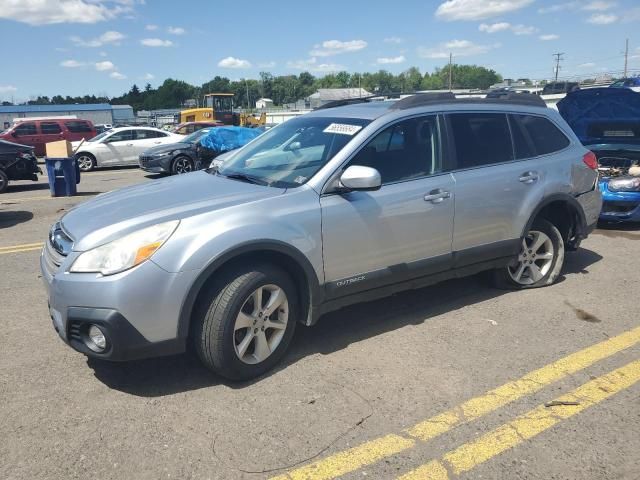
<point>291,153</point>
<point>99,137</point>
<point>195,136</point>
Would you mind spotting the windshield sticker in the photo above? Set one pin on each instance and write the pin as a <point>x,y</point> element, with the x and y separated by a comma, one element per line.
<point>300,179</point>
<point>343,129</point>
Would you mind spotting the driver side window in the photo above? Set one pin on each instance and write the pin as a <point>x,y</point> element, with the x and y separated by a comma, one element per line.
<point>122,136</point>
<point>406,150</point>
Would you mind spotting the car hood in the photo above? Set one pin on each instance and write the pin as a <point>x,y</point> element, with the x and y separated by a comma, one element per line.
<point>112,215</point>
<point>168,148</point>
<point>11,147</point>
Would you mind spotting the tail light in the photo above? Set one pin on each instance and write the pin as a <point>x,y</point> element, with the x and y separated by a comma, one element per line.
<point>590,160</point>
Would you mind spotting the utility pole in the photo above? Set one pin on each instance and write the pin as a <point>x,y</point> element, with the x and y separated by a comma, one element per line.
<point>247,85</point>
<point>450,73</point>
<point>626,57</point>
<point>558,58</point>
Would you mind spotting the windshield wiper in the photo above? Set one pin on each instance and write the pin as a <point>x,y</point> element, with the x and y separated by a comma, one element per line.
<point>244,178</point>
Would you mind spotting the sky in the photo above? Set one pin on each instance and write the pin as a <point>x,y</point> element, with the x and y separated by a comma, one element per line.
<point>102,47</point>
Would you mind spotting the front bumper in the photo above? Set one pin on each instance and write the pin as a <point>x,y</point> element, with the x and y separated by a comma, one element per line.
<point>137,309</point>
<point>619,207</point>
<point>153,164</point>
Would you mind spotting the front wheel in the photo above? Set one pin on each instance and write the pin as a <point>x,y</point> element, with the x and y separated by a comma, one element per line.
<point>539,262</point>
<point>246,322</point>
<point>181,164</point>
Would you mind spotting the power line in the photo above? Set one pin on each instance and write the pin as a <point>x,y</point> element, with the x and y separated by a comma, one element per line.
<point>558,58</point>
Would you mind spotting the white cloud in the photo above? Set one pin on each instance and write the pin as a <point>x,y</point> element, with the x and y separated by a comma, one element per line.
<point>587,65</point>
<point>267,65</point>
<point>602,18</point>
<point>559,7</point>
<point>458,48</point>
<point>395,40</point>
<point>477,9</point>
<point>334,47</point>
<point>148,76</point>
<point>232,62</point>
<point>117,76</point>
<point>599,6</point>
<point>312,65</point>
<point>110,37</point>
<point>391,60</point>
<point>151,28</point>
<point>104,66</point>
<point>156,42</point>
<point>176,30</point>
<point>502,26</point>
<point>71,64</point>
<point>44,12</point>
<point>8,89</point>
<point>494,27</point>
<point>549,36</point>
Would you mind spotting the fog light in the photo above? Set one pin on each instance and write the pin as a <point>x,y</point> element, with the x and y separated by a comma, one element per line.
<point>96,341</point>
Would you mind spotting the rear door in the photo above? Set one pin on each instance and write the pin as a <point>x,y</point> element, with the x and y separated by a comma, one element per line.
<point>26,133</point>
<point>144,139</point>
<point>494,189</point>
<point>401,231</point>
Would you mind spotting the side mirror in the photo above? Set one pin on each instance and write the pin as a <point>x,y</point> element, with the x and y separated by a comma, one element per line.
<point>14,134</point>
<point>357,177</point>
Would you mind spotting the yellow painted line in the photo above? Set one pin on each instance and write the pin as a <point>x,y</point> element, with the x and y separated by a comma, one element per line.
<point>350,460</point>
<point>353,459</point>
<point>527,426</point>
<point>27,247</point>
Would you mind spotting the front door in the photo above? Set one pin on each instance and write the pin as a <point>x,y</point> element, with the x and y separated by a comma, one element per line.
<point>401,231</point>
<point>117,148</point>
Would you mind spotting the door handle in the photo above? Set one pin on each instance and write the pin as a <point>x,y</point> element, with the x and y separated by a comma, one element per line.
<point>437,196</point>
<point>529,177</point>
<point>129,144</point>
<point>158,142</point>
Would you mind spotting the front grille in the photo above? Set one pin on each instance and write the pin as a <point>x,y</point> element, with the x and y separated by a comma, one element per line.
<point>144,160</point>
<point>56,248</point>
<point>619,207</point>
<point>75,331</point>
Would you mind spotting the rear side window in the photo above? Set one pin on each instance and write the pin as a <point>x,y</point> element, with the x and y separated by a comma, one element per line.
<point>539,131</point>
<point>143,134</point>
<point>481,139</point>
<point>26,129</point>
<point>78,127</point>
<point>49,127</point>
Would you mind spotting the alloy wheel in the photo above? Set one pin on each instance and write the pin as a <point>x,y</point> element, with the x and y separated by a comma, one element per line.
<point>85,163</point>
<point>183,165</point>
<point>261,324</point>
<point>535,259</point>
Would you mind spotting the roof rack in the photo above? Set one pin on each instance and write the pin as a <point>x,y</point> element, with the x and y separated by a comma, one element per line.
<point>420,99</point>
<point>346,101</point>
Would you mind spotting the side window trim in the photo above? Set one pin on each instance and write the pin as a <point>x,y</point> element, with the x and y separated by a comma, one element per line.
<point>441,152</point>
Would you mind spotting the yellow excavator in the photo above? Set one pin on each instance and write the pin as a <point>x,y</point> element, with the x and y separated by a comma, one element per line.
<point>219,107</point>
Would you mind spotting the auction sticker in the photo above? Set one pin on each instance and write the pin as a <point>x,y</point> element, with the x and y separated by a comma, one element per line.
<point>343,129</point>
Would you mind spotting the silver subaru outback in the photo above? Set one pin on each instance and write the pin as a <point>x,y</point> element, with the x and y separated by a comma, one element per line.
<point>344,204</point>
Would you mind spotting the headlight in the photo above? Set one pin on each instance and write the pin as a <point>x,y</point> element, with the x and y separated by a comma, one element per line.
<point>164,154</point>
<point>126,252</point>
<point>626,184</point>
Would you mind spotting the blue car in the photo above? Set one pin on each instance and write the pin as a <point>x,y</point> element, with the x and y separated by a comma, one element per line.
<point>607,121</point>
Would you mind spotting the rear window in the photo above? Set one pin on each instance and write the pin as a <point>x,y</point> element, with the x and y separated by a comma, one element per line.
<point>539,133</point>
<point>49,128</point>
<point>481,139</point>
<point>79,127</point>
<point>26,129</point>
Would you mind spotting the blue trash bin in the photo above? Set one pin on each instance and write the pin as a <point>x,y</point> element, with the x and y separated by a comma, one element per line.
<point>63,175</point>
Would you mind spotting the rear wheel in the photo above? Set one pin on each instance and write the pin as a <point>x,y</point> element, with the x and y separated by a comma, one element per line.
<point>86,162</point>
<point>181,164</point>
<point>246,322</point>
<point>539,262</point>
<point>4,181</point>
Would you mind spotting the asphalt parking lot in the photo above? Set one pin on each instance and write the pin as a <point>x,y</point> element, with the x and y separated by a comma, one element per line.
<point>445,382</point>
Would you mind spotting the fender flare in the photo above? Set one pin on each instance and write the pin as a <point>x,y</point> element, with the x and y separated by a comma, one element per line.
<point>188,305</point>
<point>574,206</point>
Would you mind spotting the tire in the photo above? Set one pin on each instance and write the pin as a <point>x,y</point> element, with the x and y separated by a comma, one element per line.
<point>539,262</point>
<point>4,181</point>
<point>86,161</point>
<point>181,164</point>
<point>221,339</point>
